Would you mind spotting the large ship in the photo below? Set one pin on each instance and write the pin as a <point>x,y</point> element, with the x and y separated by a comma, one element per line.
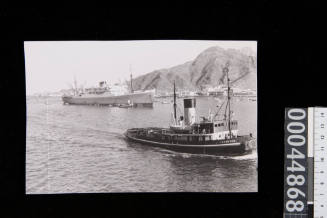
<point>212,135</point>
<point>116,95</point>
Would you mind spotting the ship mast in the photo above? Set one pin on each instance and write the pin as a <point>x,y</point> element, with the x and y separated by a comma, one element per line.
<point>75,86</point>
<point>131,78</point>
<point>175,106</point>
<point>228,98</point>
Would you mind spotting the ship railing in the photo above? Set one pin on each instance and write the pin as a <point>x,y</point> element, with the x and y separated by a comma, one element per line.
<point>190,134</point>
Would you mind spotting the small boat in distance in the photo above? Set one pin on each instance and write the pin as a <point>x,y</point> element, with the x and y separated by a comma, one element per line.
<point>212,135</point>
<point>128,105</point>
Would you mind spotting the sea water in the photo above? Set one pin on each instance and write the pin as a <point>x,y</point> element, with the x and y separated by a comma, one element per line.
<point>82,149</point>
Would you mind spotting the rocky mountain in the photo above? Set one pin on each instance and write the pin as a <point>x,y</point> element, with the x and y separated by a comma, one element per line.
<point>205,71</point>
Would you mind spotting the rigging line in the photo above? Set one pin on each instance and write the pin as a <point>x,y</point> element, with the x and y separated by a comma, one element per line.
<point>219,109</point>
<point>179,110</point>
<point>230,103</point>
<point>226,109</point>
<point>179,106</point>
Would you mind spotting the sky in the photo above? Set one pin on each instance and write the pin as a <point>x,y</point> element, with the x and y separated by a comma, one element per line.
<point>52,65</point>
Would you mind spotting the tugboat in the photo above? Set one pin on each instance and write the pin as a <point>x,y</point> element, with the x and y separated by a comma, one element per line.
<point>209,136</point>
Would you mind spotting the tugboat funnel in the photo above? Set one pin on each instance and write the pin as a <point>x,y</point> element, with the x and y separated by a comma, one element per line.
<point>189,111</point>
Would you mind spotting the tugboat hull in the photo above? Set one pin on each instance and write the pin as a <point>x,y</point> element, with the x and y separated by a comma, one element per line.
<point>241,146</point>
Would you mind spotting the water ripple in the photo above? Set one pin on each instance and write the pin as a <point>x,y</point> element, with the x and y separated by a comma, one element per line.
<point>82,149</point>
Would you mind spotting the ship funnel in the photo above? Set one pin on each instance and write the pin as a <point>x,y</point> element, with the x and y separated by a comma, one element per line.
<point>189,111</point>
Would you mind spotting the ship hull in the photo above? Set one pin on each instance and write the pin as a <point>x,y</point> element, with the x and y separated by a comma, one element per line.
<point>239,146</point>
<point>138,99</point>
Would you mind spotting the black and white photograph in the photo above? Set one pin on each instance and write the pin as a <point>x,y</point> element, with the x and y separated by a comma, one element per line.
<point>141,116</point>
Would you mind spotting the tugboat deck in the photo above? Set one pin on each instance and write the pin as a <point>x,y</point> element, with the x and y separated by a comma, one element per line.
<point>200,145</point>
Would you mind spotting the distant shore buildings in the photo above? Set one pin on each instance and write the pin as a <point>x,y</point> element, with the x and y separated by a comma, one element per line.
<point>120,89</point>
<point>210,91</point>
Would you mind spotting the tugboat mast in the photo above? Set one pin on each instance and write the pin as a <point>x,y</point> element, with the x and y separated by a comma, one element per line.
<point>175,106</point>
<point>228,97</point>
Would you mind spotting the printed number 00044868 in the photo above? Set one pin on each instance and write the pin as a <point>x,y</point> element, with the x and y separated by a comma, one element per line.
<point>295,140</point>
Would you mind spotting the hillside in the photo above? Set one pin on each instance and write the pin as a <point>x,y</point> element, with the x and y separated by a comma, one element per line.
<point>205,71</point>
